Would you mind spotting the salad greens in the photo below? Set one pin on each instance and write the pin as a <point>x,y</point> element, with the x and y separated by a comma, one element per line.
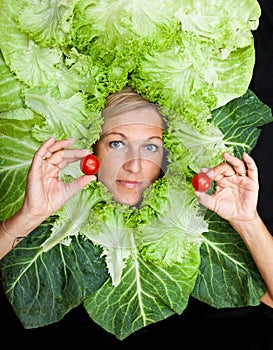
<point>129,267</point>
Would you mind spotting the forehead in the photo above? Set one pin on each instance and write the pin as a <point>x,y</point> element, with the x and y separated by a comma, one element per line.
<point>147,117</point>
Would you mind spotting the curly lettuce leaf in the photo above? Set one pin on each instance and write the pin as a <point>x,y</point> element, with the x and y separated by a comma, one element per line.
<point>108,228</point>
<point>10,88</point>
<point>17,147</point>
<point>63,117</point>
<point>72,217</point>
<point>120,22</point>
<point>234,23</point>
<point>233,128</point>
<point>49,23</point>
<point>181,222</point>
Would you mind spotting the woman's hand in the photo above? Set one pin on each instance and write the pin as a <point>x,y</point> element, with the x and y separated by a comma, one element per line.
<point>45,192</point>
<point>236,195</point>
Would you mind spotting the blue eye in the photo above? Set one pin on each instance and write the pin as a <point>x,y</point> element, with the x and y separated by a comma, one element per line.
<point>151,147</point>
<point>116,144</point>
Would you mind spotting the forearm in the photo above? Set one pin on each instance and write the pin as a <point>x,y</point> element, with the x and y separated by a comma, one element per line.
<point>259,242</point>
<point>15,228</point>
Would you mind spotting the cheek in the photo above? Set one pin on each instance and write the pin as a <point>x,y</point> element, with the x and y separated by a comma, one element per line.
<point>109,166</point>
<point>152,170</point>
<point>157,164</point>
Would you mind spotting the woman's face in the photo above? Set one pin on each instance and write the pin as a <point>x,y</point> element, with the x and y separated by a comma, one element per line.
<point>130,151</point>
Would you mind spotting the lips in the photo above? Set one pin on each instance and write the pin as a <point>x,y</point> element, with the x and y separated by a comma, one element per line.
<point>129,184</point>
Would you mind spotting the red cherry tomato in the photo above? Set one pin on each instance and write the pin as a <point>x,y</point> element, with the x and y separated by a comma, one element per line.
<point>90,164</point>
<point>201,182</point>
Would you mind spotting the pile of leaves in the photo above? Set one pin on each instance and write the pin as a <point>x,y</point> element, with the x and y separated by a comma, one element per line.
<point>129,267</point>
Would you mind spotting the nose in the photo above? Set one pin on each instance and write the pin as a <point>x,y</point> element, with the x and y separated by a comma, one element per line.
<point>133,162</point>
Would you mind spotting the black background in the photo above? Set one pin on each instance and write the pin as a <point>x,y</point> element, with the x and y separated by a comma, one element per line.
<point>200,325</point>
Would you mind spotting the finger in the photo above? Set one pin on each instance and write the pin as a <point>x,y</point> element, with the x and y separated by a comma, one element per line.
<point>60,144</point>
<point>220,171</point>
<point>39,155</point>
<point>44,147</point>
<point>238,164</point>
<point>204,199</point>
<point>77,185</point>
<point>252,170</point>
<point>51,145</point>
<point>64,157</point>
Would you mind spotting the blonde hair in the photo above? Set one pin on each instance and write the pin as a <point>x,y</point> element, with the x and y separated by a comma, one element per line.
<point>124,101</point>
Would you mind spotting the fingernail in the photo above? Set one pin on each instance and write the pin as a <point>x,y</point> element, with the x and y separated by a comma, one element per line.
<point>83,152</point>
<point>205,170</point>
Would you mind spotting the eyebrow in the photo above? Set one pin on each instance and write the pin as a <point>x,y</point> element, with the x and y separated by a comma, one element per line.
<point>124,136</point>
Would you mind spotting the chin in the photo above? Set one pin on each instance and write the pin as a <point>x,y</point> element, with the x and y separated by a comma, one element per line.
<point>133,201</point>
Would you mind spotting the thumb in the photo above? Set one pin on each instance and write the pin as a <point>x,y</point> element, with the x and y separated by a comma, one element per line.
<point>204,199</point>
<point>77,185</point>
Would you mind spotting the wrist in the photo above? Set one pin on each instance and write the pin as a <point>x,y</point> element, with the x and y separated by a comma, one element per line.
<point>243,227</point>
<point>30,220</point>
<point>20,224</point>
<point>11,236</point>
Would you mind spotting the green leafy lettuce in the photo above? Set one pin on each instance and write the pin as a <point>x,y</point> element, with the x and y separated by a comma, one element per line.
<point>129,267</point>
